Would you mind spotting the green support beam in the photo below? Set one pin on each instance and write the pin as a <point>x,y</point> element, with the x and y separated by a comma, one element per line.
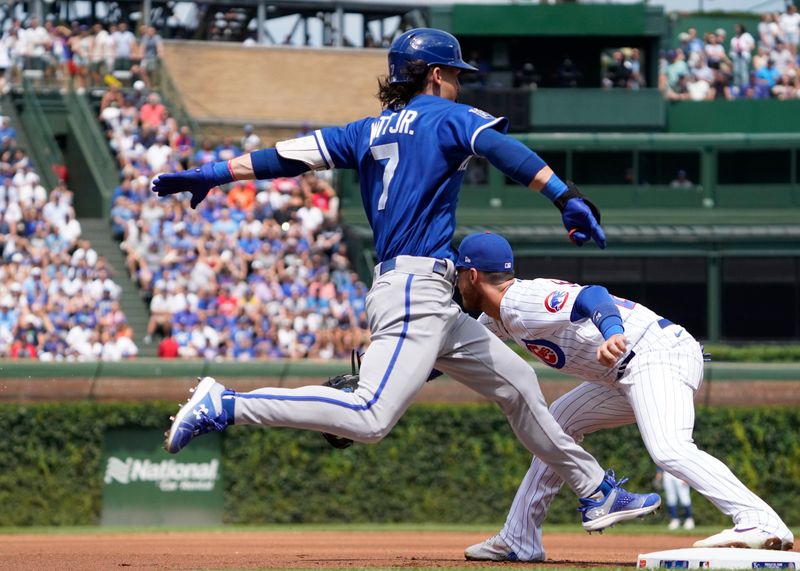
<point>714,301</point>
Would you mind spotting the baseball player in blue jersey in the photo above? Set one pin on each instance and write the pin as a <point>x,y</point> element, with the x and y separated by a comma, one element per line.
<point>638,367</point>
<point>411,161</point>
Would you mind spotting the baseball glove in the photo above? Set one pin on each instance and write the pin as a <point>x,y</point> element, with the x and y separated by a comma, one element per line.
<point>348,384</point>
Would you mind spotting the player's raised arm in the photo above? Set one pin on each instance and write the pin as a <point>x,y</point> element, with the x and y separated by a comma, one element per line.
<point>581,218</point>
<point>288,158</point>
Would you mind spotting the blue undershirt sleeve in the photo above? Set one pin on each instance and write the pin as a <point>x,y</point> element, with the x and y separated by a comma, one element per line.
<point>516,161</point>
<point>267,163</point>
<point>594,302</point>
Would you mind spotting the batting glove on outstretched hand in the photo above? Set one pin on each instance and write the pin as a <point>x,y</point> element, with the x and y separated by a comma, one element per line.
<point>581,217</point>
<point>197,181</point>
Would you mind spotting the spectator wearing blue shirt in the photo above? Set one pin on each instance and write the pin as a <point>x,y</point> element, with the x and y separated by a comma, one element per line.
<point>186,318</point>
<point>181,335</point>
<point>125,190</point>
<point>224,224</point>
<point>8,316</point>
<point>86,317</point>
<point>694,43</point>
<point>216,320</point>
<point>306,338</point>
<point>205,154</point>
<point>248,244</point>
<point>226,150</point>
<point>765,80</point>
<point>7,133</point>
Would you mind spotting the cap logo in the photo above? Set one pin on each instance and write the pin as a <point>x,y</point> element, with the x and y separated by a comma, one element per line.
<point>466,259</point>
<point>507,265</point>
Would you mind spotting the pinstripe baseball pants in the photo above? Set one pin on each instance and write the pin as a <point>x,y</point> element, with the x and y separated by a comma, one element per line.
<point>656,392</point>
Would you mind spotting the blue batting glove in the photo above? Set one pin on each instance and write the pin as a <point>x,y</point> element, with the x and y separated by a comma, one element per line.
<point>197,181</point>
<point>581,223</point>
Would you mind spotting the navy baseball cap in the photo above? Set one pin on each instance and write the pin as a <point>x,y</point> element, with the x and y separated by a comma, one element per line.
<point>486,252</point>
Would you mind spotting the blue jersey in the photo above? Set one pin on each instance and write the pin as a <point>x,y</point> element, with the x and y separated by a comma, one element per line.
<point>410,163</point>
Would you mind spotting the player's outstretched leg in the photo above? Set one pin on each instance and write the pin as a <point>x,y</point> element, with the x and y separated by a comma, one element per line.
<point>203,412</point>
<point>612,504</point>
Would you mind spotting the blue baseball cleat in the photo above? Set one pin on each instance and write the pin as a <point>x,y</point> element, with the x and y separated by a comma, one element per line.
<point>615,504</point>
<point>202,413</point>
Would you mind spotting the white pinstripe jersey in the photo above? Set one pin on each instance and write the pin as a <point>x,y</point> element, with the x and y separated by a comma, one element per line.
<point>536,314</point>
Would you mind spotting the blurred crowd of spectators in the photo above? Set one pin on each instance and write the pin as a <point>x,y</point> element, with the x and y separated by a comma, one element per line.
<point>742,67</point>
<point>77,55</point>
<point>58,299</point>
<point>259,271</point>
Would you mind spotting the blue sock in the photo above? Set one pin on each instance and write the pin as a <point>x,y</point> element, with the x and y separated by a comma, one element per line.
<point>229,404</point>
<point>673,511</point>
<point>604,488</point>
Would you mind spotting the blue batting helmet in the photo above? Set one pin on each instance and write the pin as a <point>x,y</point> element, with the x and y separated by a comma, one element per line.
<point>434,47</point>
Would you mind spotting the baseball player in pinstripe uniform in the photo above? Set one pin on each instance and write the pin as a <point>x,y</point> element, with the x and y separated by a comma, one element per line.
<point>637,367</point>
<point>411,161</point>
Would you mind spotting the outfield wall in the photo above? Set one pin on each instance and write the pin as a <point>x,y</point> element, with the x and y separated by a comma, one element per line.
<point>441,463</point>
<point>726,384</point>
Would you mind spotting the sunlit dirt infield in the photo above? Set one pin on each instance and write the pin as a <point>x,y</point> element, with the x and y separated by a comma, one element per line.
<point>304,549</point>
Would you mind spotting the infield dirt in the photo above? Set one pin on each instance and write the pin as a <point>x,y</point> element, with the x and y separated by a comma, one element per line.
<point>305,550</point>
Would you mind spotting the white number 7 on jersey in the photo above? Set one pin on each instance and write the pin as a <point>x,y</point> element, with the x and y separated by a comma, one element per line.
<point>391,152</point>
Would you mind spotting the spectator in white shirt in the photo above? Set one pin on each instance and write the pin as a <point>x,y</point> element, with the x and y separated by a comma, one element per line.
<point>742,45</point>
<point>101,58</point>
<point>310,216</point>
<point>782,57</point>
<point>124,47</point>
<point>158,154</point>
<point>768,30</point>
<point>70,231</point>
<point>790,27</point>
<point>250,141</point>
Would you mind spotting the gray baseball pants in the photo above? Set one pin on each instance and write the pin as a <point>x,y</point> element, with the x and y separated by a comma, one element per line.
<point>415,327</point>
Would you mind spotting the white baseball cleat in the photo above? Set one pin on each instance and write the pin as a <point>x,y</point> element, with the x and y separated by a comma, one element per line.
<point>748,538</point>
<point>674,524</point>
<point>493,549</point>
<point>688,524</point>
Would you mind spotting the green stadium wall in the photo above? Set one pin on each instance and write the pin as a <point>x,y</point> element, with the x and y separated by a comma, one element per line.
<point>543,20</point>
<point>441,463</point>
<point>740,116</point>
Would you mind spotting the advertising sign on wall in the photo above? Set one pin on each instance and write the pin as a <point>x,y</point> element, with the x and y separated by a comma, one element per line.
<point>143,485</point>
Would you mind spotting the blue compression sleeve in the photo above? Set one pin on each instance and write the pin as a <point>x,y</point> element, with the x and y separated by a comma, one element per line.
<point>267,163</point>
<point>516,161</point>
<point>595,303</point>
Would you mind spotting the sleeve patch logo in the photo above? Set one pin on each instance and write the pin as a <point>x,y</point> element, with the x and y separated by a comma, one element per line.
<point>480,113</point>
<point>556,300</point>
<point>547,352</point>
